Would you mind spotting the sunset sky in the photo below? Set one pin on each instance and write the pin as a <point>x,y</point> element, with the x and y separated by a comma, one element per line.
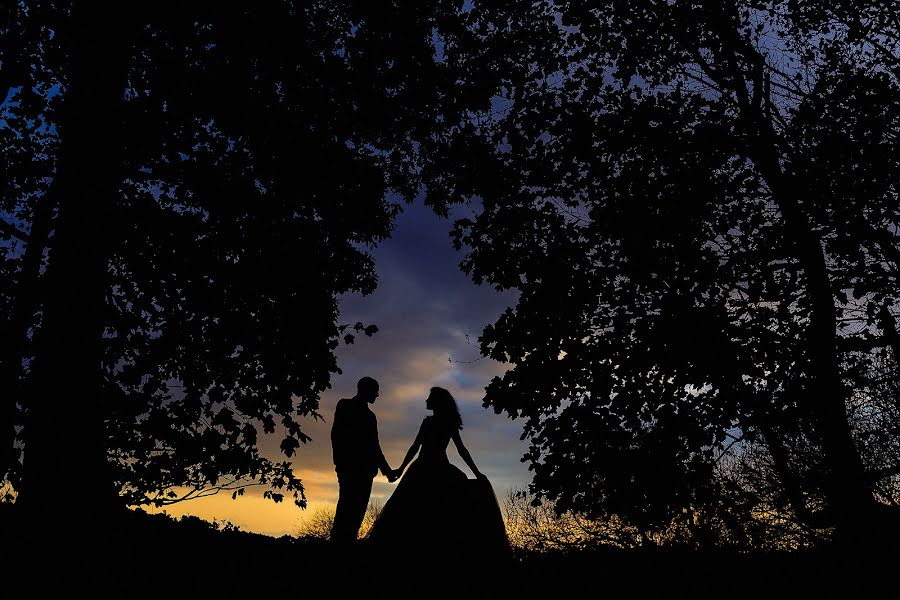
<point>429,316</point>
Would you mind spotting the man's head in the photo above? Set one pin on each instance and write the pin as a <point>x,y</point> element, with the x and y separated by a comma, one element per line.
<point>367,389</point>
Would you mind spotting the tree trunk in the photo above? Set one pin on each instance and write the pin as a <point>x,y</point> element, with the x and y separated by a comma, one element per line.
<point>889,331</point>
<point>15,74</point>
<point>761,418</point>
<point>850,492</point>
<point>65,453</point>
<point>15,334</point>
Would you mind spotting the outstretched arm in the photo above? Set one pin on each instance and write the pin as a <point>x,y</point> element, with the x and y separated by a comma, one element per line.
<point>382,461</point>
<point>464,454</point>
<point>411,453</point>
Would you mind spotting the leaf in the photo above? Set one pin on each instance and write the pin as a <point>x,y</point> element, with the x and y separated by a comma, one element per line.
<point>289,445</point>
<point>268,424</point>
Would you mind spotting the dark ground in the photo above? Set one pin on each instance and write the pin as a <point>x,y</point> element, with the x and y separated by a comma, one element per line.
<point>156,557</point>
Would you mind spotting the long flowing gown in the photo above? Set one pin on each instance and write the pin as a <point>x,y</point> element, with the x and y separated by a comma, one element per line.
<point>435,507</point>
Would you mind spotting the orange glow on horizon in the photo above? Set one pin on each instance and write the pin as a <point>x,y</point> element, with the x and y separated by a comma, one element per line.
<point>251,512</point>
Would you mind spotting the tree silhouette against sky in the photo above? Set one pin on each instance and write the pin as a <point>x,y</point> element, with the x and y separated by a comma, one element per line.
<point>190,187</point>
<point>696,202</point>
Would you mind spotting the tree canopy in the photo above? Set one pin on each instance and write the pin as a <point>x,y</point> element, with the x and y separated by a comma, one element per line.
<point>188,189</point>
<point>697,202</point>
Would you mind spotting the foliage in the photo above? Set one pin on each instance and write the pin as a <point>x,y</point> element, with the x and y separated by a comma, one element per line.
<point>698,205</point>
<point>735,521</point>
<point>249,154</point>
<point>537,527</point>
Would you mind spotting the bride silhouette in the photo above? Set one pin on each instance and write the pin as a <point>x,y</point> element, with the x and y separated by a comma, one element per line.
<point>435,507</point>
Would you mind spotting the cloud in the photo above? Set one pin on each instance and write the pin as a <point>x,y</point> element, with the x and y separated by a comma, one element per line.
<point>429,316</point>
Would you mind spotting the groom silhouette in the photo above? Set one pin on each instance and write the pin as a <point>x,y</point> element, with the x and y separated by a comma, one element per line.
<point>357,459</point>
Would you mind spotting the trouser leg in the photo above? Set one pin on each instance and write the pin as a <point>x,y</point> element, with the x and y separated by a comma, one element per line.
<point>353,499</point>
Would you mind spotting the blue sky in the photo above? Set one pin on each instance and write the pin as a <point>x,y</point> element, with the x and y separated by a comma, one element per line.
<point>429,316</point>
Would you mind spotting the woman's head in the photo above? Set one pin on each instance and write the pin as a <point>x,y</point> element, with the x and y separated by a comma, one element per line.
<point>444,406</point>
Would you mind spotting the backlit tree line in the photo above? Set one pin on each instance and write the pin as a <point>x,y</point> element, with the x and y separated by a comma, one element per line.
<point>696,201</point>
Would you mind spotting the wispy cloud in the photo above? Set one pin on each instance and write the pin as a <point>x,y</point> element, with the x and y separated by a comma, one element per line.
<point>429,316</point>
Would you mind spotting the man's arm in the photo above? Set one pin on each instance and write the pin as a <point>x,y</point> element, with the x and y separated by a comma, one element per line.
<point>338,441</point>
<point>382,461</point>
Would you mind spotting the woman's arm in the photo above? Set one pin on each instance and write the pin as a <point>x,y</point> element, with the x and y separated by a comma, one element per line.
<point>464,454</point>
<point>411,453</point>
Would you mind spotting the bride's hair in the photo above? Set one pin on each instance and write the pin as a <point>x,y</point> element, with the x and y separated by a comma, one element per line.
<point>445,407</point>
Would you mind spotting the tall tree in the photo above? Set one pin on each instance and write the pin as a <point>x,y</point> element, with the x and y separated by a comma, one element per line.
<point>694,200</point>
<point>27,80</point>
<point>219,173</point>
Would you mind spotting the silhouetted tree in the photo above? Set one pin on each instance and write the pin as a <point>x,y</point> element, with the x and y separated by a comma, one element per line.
<point>29,143</point>
<point>697,203</point>
<point>539,527</point>
<point>741,520</point>
<point>196,184</point>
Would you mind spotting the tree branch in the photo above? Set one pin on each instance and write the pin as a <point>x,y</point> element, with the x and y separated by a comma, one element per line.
<point>886,321</point>
<point>880,474</point>
<point>202,492</point>
<point>9,230</point>
<point>861,344</point>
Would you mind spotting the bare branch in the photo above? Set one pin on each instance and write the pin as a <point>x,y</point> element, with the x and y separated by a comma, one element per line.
<point>13,231</point>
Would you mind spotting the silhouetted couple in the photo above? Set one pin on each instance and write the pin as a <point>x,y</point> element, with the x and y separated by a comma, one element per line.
<point>435,506</point>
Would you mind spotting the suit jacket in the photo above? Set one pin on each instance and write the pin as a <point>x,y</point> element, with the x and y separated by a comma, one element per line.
<point>354,439</point>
